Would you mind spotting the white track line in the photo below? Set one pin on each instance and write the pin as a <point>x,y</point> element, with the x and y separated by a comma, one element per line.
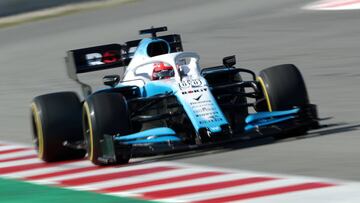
<point>200,181</point>
<point>138,179</point>
<point>20,162</point>
<point>339,194</point>
<point>100,171</point>
<point>234,190</point>
<point>18,154</point>
<point>50,169</point>
<point>345,192</point>
<point>259,173</point>
<point>334,5</point>
<point>10,147</point>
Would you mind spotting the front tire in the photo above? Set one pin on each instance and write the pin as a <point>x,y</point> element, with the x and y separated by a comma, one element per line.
<point>105,113</point>
<point>283,87</point>
<point>56,118</point>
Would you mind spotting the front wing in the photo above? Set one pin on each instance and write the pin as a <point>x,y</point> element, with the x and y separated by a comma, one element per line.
<point>164,140</point>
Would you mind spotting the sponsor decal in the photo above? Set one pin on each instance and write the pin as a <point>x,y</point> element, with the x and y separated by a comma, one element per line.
<point>194,91</point>
<point>111,56</point>
<point>205,111</point>
<point>198,98</point>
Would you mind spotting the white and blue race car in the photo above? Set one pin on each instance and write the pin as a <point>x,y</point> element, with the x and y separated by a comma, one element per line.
<point>165,101</point>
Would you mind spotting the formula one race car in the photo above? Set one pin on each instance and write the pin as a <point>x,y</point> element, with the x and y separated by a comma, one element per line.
<point>165,101</point>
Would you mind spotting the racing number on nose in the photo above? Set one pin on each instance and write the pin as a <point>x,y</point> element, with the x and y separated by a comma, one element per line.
<point>190,83</point>
<point>196,83</point>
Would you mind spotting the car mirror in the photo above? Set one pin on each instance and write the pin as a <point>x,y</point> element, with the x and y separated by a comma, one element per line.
<point>111,80</point>
<point>229,61</point>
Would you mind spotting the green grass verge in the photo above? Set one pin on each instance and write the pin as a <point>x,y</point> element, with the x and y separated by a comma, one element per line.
<point>13,191</point>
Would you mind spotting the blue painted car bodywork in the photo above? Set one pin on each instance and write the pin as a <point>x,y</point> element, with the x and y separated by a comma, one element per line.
<point>160,135</point>
<point>154,135</point>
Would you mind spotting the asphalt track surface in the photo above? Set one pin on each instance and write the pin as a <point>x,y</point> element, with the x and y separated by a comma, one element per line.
<point>324,45</point>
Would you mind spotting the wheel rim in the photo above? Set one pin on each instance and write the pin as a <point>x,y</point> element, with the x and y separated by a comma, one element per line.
<point>266,95</point>
<point>37,131</point>
<point>34,131</point>
<point>88,131</point>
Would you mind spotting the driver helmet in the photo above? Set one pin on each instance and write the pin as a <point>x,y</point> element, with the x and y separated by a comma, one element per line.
<point>162,71</point>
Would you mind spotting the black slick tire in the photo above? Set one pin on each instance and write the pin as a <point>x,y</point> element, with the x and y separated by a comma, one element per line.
<point>56,118</point>
<point>105,113</point>
<point>283,87</point>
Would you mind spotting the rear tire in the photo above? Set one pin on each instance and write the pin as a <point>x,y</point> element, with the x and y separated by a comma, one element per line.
<point>105,113</point>
<point>56,118</point>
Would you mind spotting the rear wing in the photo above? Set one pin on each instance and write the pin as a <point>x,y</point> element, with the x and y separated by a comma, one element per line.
<point>110,56</point>
<point>94,58</point>
<point>107,57</point>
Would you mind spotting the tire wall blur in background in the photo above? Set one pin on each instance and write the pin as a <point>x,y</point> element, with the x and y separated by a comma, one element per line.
<point>13,7</point>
